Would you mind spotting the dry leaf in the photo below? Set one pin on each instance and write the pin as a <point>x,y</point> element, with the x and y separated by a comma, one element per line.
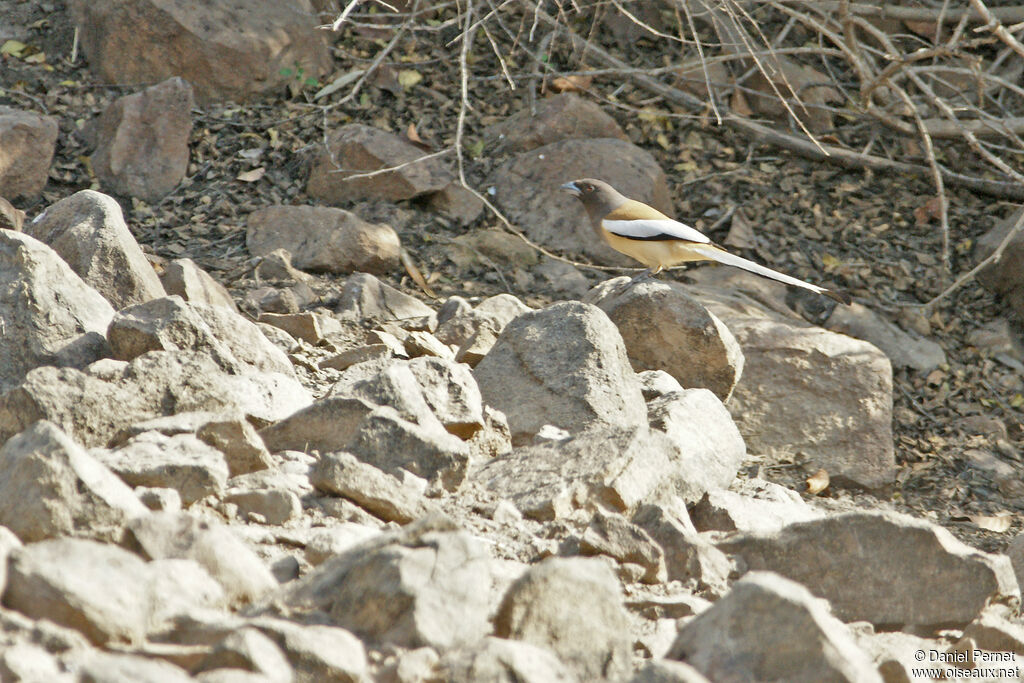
<point>999,522</point>
<point>817,482</point>
<point>251,176</point>
<point>739,105</point>
<point>927,212</point>
<point>413,136</point>
<point>408,78</point>
<point>574,83</point>
<point>415,274</point>
<point>741,232</point>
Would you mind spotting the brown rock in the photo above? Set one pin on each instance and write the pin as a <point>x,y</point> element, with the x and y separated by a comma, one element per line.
<point>611,534</point>
<point>1004,277</point>
<point>323,239</point>
<point>457,203</point>
<point>11,218</point>
<point>357,148</point>
<point>802,86</point>
<point>27,143</point>
<point>554,118</point>
<point>224,52</point>
<point>378,492</point>
<point>309,327</point>
<point>142,141</point>
<point>665,329</point>
<point>367,298</point>
<point>526,190</point>
<point>182,277</point>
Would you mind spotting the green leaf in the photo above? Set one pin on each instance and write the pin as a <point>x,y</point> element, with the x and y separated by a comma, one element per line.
<point>286,72</point>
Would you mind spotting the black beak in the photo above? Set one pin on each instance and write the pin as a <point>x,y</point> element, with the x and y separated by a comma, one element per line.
<point>571,189</point>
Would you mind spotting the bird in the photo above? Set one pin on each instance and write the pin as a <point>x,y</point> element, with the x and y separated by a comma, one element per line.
<point>657,241</point>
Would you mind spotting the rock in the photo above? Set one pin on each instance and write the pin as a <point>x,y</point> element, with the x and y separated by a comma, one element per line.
<point>492,246</point>
<point>611,534</point>
<point>419,344</point>
<point>768,628</point>
<point>657,383</point>
<point>758,507</point>
<point>142,141</point>
<point>248,649</point>
<point>451,393</point>
<point>159,499</point>
<point>328,425</point>
<point>418,586</point>
<point>51,317</point>
<point>995,633</point>
<point>457,203</point>
<point>574,608</point>
<point>494,439</point>
<point>88,230</point>
<point>27,141</point>
<point>181,536</point>
<point>11,217</point>
<point>105,592</point>
<point>894,653</point>
<point>796,82</point>
<point>558,117</point>
<point>564,280</point>
<point>24,661</point>
<point>1015,551</point>
<point>526,190</point>
<point>667,671</point>
<point>318,653</point>
<point>420,664</point>
<point>1004,276</point>
<point>462,322</point>
<point>360,149</point>
<point>156,383</point>
<point>182,277</point>
<point>503,661</point>
<point>104,667</point>
<point>819,393</point>
<point>171,323</point>
<point>309,327</point>
<point>687,555</point>
<point>273,506</point>
<point>709,446</point>
<point>331,541</point>
<point>223,53</point>
<point>50,486</point>
<point>564,365</point>
<point>183,463</point>
<point>367,298</point>
<point>323,239</point>
<point>277,265</point>
<point>240,443</point>
<point>904,349</point>
<point>866,564</point>
<point>618,468</point>
<point>665,329</point>
<point>381,494</point>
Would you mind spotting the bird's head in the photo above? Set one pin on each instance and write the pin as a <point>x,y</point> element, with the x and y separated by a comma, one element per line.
<point>587,188</point>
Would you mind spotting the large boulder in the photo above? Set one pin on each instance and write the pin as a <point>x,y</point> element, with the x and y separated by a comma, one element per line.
<point>27,143</point>
<point>51,317</point>
<point>565,365</point>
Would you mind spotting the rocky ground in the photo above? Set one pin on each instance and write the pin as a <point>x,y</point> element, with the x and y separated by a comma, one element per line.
<point>260,422</point>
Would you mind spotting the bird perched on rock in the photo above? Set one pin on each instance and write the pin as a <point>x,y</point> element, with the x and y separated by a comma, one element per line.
<point>657,241</point>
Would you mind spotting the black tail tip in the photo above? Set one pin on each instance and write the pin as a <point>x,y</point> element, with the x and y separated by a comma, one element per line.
<point>838,295</point>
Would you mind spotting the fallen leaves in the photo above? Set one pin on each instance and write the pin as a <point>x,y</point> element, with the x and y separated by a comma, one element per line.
<point>817,482</point>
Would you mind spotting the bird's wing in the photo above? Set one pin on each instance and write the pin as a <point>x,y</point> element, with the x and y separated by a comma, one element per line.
<point>653,229</point>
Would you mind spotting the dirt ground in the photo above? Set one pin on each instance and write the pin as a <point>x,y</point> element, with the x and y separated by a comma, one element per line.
<point>956,428</point>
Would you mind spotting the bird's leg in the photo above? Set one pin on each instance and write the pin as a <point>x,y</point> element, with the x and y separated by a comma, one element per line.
<point>642,276</point>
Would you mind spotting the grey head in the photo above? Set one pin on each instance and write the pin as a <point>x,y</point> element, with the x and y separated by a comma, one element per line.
<point>598,197</point>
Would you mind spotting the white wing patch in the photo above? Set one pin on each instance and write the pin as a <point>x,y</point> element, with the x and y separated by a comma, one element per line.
<point>648,229</point>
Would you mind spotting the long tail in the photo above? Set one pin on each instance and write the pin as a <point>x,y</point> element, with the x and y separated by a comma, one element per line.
<point>714,253</point>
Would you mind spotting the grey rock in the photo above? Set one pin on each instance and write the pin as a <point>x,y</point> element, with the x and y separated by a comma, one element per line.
<point>768,628</point>
<point>574,608</point>
<point>335,540</point>
<point>416,587</point>
<point>379,493</point>
<point>817,392</point>
<point>618,468</point>
<point>159,499</point>
<point>462,321</point>
<point>758,506</point>
<point>50,316</point>
<point>709,447</point>
<point>564,365</point>
<point>181,536</point>
<point>687,555</point>
<point>504,661</point>
<point>451,393</point>
<point>50,486</point>
<point>557,117</point>
<point>367,298</point>
<point>667,671</point>
<point>182,277</point>
<point>1004,276</point>
<point>105,592</point>
<point>904,349</point>
<point>105,667</point>
<point>248,649</point>
<point>866,564</point>
<point>657,383</point>
<point>611,534</point>
<point>142,140</point>
<point>271,505</point>
<point>666,329</point>
<point>323,239</point>
<point>88,230</point>
<point>308,326</point>
<point>240,443</point>
<point>25,661</point>
<point>183,463</point>
<point>318,653</point>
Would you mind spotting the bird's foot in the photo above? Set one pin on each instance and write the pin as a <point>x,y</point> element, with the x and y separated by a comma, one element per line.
<point>632,281</point>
